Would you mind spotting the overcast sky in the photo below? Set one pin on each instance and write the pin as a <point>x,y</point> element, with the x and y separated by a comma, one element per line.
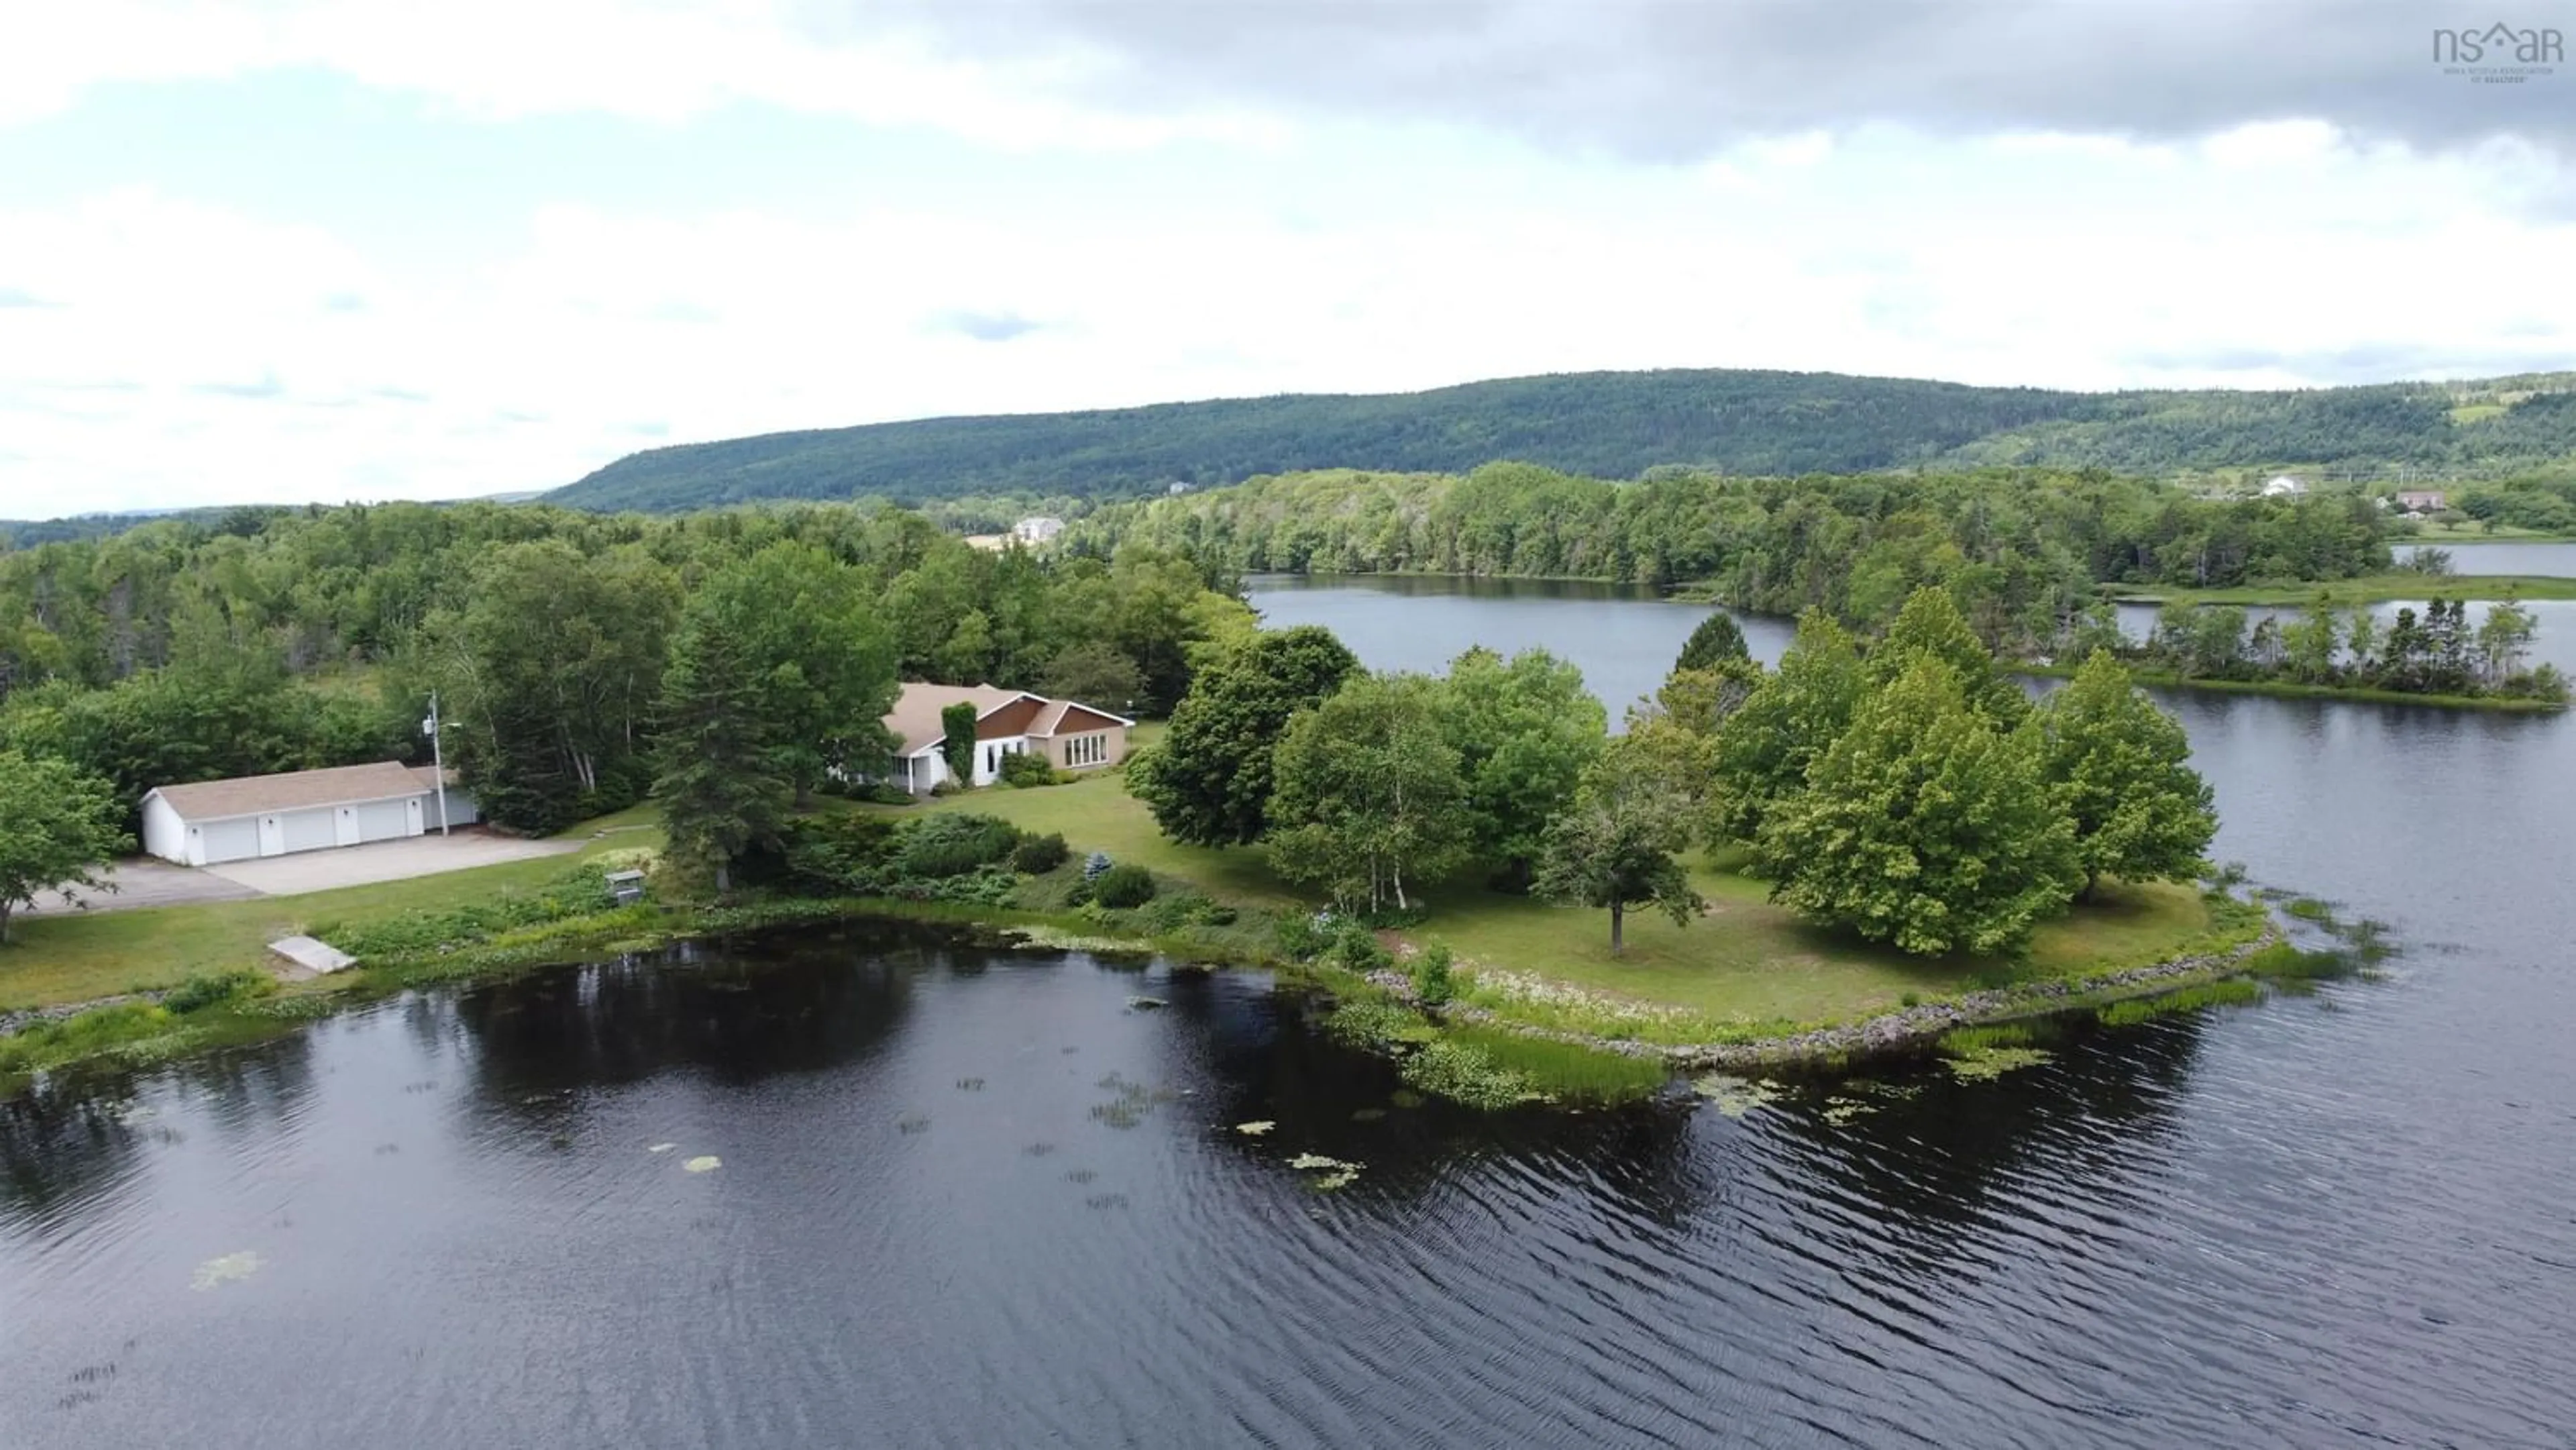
<point>281,251</point>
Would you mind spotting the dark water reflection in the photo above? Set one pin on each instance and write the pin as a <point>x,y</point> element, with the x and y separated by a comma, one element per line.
<point>977,1200</point>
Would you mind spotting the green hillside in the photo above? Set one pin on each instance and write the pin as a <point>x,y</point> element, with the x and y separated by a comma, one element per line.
<point>1618,425</point>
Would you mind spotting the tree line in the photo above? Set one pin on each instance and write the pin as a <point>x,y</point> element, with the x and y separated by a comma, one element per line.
<point>267,640</point>
<point>2436,652</point>
<point>2021,550</point>
<point>1908,791</point>
<point>1615,425</point>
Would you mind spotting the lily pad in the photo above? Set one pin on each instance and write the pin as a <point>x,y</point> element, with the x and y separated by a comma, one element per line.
<point>1988,1063</point>
<point>1254,1130</point>
<point>229,1269</point>
<point>661,1147</point>
<point>1367,1115</point>
<point>1735,1096</point>
<point>1330,1173</point>
<point>703,1163</point>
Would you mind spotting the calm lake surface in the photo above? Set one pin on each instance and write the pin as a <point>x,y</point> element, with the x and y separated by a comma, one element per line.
<point>978,1199</point>
<point>2557,561</point>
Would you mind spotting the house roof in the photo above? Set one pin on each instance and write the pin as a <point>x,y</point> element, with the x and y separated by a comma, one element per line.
<point>915,718</point>
<point>215,800</point>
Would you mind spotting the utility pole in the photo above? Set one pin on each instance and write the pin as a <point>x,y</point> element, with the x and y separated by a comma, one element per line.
<point>437,759</point>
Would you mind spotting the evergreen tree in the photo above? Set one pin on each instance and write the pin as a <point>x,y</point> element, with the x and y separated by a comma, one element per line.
<point>722,774</point>
<point>1716,640</point>
<point>1208,782</point>
<point>1924,826</point>
<point>2118,766</point>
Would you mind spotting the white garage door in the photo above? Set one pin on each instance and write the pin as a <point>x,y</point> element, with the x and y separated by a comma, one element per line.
<point>308,830</point>
<point>383,821</point>
<point>234,840</point>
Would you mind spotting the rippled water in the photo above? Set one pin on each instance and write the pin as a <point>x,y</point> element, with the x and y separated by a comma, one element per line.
<point>2557,561</point>
<point>967,1199</point>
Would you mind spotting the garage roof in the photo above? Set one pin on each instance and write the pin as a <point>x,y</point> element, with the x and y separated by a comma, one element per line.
<point>251,795</point>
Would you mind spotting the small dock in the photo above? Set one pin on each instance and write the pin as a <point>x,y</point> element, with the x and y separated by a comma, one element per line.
<point>316,957</point>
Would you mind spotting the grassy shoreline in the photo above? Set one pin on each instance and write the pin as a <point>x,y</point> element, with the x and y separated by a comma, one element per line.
<point>1746,982</point>
<point>2391,588</point>
<point>2292,690</point>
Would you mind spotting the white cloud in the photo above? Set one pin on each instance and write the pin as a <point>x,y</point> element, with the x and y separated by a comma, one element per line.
<point>191,353</point>
<point>648,59</point>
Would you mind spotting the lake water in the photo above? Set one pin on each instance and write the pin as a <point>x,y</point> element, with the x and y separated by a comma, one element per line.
<point>2557,561</point>
<point>982,1200</point>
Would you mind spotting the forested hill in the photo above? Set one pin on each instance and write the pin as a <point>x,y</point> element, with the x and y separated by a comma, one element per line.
<point>1618,425</point>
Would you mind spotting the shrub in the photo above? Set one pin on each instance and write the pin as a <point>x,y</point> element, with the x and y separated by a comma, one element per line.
<point>1355,948</point>
<point>208,989</point>
<point>840,855</point>
<point>1431,982</point>
<point>1219,916</point>
<point>1464,1075</point>
<point>1037,855</point>
<point>1025,770</point>
<point>1303,937</point>
<point>952,845</point>
<point>1122,887</point>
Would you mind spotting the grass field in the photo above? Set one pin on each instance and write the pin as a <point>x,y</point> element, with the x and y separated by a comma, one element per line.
<point>2400,587</point>
<point>1745,964</point>
<point>88,955</point>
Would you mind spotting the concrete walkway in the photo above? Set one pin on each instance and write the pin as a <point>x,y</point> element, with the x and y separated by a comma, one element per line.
<point>142,881</point>
<point>384,861</point>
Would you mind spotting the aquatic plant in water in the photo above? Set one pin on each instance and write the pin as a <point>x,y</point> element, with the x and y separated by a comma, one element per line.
<point>703,1163</point>
<point>1330,1173</point>
<point>230,1268</point>
<point>661,1147</point>
<point>1254,1130</point>
<point>1985,1064</point>
<point>1735,1096</point>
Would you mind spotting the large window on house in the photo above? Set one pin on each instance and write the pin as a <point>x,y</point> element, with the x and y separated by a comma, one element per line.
<point>1086,750</point>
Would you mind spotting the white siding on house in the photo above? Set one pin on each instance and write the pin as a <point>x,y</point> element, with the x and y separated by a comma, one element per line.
<point>460,810</point>
<point>164,834</point>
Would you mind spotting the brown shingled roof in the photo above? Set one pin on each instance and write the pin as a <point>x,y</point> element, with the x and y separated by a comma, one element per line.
<point>915,717</point>
<point>215,800</point>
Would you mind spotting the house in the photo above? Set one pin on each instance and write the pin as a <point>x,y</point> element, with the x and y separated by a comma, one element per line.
<point>2284,486</point>
<point>1039,530</point>
<point>1007,722</point>
<point>2423,500</point>
<point>213,821</point>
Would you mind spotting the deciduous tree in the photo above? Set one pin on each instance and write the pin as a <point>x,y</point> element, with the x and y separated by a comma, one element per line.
<point>1367,793</point>
<point>1619,845</point>
<point>2118,766</point>
<point>1924,826</point>
<point>1765,748</point>
<point>58,827</point>
<point>1524,731</point>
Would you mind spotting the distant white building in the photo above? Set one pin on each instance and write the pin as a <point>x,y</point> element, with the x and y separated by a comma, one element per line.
<point>2284,486</point>
<point>1039,530</point>
<point>1177,488</point>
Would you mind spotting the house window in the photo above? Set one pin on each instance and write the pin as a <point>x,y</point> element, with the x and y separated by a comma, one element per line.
<point>992,758</point>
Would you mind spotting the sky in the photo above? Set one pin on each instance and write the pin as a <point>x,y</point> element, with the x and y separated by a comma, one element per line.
<point>280,251</point>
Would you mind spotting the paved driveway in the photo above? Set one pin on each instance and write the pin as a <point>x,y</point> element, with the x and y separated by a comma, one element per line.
<point>144,881</point>
<point>383,861</point>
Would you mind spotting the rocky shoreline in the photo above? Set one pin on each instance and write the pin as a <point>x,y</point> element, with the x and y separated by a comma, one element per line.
<point>1911,1027</point>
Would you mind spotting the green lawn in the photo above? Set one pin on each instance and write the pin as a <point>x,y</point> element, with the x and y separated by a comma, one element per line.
<point>1746,963</point>
<point>77,958</point>
<point>2373,589</point>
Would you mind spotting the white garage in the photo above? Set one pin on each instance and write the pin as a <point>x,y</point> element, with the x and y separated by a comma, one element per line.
<point>210,822</point>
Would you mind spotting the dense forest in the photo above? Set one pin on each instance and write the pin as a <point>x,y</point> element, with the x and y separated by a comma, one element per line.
<point>287,639</point>
<point>1621,425</point>
<point>2022,550</point>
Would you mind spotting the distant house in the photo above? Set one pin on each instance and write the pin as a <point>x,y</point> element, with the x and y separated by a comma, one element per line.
<point>2284,486</point>
<point>1177,489</point>
<point>2423,500</point>
<point>1039,530</point>
<point>209,822</point>
<point>1007,722</point>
